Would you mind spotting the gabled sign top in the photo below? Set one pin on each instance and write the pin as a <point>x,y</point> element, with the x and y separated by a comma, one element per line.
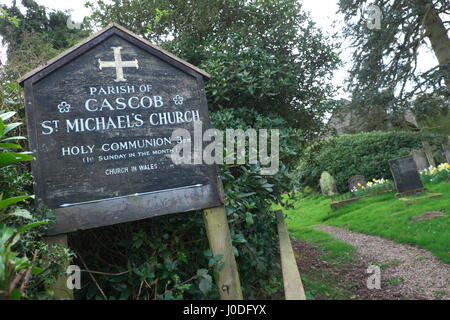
<point>111,29</point>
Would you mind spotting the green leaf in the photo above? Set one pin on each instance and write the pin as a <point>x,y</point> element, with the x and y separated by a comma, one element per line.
<point>15,294</point>
<point>205,285</point>
<point>36,270</point>
<point>14,138</point>
<point>249,218</point>
<point>239,238</point>
<point>31,225</point>
<point>202,272</point>
<point>5,116</point>
<point>215,260</point>
<point>220,266</point>
<point>11,126</point>
<point>207,253</point>
<point>9,201</point>
<point>168,295</point>
<point>10,146</point>
<point>5,234</point>
<point>19,212</point>
<point>9,158</point>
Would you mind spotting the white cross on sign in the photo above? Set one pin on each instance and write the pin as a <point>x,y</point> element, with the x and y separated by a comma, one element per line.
<point>118,64</point>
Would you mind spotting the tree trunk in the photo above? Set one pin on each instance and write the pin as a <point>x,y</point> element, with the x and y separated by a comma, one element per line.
<point>436,33</point>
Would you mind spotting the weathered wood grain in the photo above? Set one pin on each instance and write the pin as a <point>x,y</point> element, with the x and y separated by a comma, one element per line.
<point>99,187</point>
<point>219,238</point>
<point>293,287</point>
<point>89,40</point>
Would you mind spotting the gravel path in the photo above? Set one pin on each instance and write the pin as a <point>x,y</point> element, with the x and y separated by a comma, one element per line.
<point>415,270</point>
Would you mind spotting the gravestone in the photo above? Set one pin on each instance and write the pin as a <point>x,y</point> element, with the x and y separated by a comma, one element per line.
<point>420,159</point>
<point>100,119</point>
<point>446,150</point>
<point>354,181</point>
<point>405,174</point>
<point>411,118</point>
<point>429,153</point>
<point>327,184</point>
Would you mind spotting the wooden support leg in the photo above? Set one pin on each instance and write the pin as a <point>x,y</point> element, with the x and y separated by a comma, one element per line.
<point>218,233</point>
<point>293,287</point>
<point>60,287</point>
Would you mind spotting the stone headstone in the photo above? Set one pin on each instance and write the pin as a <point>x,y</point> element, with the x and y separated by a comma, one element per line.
<point>420,159</point>
<point>405,174</point>
<point>327,184</point>
<point>410,118</point>
<point>355,180</point>
<point>429,153</point>
<point>446,150</point>
<point>100,121</point>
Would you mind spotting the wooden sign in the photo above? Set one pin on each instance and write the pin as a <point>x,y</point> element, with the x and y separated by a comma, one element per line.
<point>100,120</point>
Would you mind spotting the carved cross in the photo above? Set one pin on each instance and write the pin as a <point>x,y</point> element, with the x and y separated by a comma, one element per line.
<point>118,64</point>
<point>429,153</point>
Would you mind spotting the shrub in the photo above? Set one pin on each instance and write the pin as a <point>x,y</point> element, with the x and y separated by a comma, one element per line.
<point>258,81</point>
<point>19,227</point>
<point>168,257</point>
<point>366,154</point>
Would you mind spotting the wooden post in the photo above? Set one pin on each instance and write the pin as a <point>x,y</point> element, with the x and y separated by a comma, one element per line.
<point>293,287</point>
<point>219,237</point>
<point>60,287</point>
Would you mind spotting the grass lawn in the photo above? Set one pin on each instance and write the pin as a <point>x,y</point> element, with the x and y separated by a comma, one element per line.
<point>382,215</point>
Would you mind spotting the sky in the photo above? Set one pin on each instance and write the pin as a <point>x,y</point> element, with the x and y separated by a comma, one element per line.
<point>323,12</point>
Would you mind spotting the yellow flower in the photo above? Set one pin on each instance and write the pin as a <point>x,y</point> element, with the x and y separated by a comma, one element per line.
<point>359,184</point>
<point>374,180</point>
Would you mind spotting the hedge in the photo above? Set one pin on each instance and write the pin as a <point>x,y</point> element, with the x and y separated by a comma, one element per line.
<point>365,153</point>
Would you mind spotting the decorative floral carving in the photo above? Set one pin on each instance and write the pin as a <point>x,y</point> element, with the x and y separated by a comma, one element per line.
<point>178,99</point>
<point>64,107</point>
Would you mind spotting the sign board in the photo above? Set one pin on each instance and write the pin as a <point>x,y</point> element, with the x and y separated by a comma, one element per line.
<point>100,120</point>
<point>405,173</point>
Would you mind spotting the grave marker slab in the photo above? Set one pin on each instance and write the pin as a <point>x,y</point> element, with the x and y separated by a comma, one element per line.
<point>420,159</point>
<point>100,119</point>
<point>327,184</point>
<point>405,173</point>
<point>446,150</point>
